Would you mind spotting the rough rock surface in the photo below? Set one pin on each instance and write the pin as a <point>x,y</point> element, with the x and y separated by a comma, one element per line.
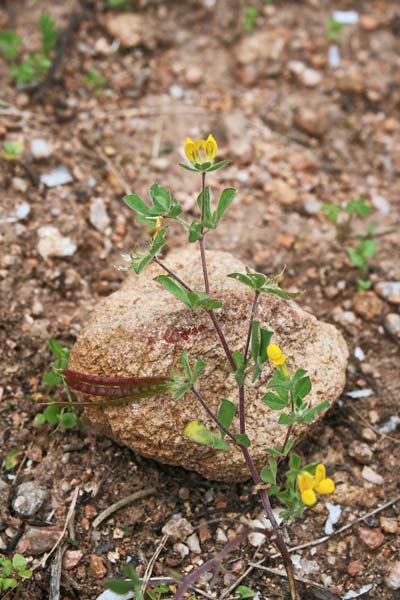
<point>142,330</point>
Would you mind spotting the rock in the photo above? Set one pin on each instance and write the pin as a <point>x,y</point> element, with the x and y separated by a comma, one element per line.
<point>389,290</point>
<point>130,29</point>
<point>282,192</point>
<point>368,23</point>
<point>373,538</point>
<point>29,498</point>
<point>142,330</point>
<point>306,76</point>
<point>334,58</point>
<point>355,568</point>
<point>58,176</point>
<point>97,567</point>
<point>19,185</point>
<point>181,549</point>
<point>193,75</point>
<point>367,305</point>
<point>38,540</point>
<point>98,215</point>
<point>345,17</point>
<point>334,513</point>
<point>221,536</point>
<point>392,324</point>
<point>193,543</point>
<point>260,54</point>
<point>314,121</point>
<point>361,452</point>
<point>371,476</point>
<point>52,243</point>
<point>109,595</point>
<point>4,491</point>
<point>41,148</point>
<point>392,579</point>
<point>177,528</point>
<point>22,211</point>
<point>389,525</point>
<point>71,558</point>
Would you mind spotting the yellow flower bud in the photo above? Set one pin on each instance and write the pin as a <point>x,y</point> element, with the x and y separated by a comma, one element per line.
<point>159,221</point>
<point>326,486</point>
<point>190,151</point>
<point>308,497</point>
<point>210,148</point>
<point>305,481</point>
<point>276,355</point>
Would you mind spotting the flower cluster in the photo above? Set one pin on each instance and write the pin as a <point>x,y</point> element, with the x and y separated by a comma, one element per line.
<point>311,485</point>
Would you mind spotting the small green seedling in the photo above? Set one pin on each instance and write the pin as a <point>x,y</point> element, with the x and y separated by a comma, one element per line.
<point>56,414</point>
<point>9,44</point>
<point>36,64</point>
<point>12,572</point>
<point>13,458</point>
<point>131,583</point>
<point>343,218</point>
<point>123,4</point>
<point>250,18</point>
<point>333,30</point>
<point>95,81</point>
<point>12,150</point>
<point>244,592</point>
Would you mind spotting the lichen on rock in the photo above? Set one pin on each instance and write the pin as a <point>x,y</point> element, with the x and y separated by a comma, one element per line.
<point>141,330</point>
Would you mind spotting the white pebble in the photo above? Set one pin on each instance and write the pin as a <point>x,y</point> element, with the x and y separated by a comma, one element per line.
<point>371,476</point>
<point>58,176</point>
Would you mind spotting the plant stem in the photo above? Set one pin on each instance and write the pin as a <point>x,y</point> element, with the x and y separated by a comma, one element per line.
<point>174,275</point>
<point>242,412</point>
<point>279,541</point>
<point>253,314</point>
<point>212,415</point>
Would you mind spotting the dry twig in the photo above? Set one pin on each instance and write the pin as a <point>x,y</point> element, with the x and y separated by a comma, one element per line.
<point>150,566</point>
<point>121,503</point>
<point>66,524</point>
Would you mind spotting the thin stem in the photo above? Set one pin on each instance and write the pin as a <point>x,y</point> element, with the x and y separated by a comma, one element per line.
<point>279,541</point>
<point>222,338</point>
<point>201,240</point>
<point>174,275</point>
<point>212,415</point>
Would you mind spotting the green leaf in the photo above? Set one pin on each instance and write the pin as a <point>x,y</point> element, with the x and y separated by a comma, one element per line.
<point>51,414</point>
<point>51,378</point>
<point>289,445</point>
<point>161,197</point>
<point>364,284</point>
<point>10,43</point>
<point>184,360</point>
<point>137,204</point>
<point>311,413</point>
<point>207,206</point>
<point>119,586</point>
<point>368,248</point>
<point>224,202</point>
<point>332,211</point>
<point>242,439</point>
<point>359,207</point>
<point>68,420</point>
<point>295,462</point>
<point>18,562</point>
<point>302,387</point>
<point>56,348</point>
<point>195,232</point>
<point>238,359</point>
<point>268,473</point>
<point>199,433</point>
<point>193,169</point>
<point>281,293</point>
<point>39,419</point>
<point>174,288</point>
<point>286,419</point>
<point>218,165</point>
<point>242,591</point>
<point>275,402</point>
<point>13,458</point>
<point>198,369</point>
<point>226,413</point>
<point>49,33</point>
<point>8,583</point>
<point>242,278</point>
<point>357,259</point>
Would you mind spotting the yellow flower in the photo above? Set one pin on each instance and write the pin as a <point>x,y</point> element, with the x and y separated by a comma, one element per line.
<point>200,151</point>
<point>319,482</point>
<point>276,355</point>
<point>159,221</point>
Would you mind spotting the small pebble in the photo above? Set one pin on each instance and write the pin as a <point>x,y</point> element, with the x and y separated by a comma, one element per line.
<point>29,498</point>
<point>373,538</point>
<point>389,525</point>
<point>389,290</point>
<point>370,475</point>
<point>361,452</point>
<point>178,528</point>
<point>193,543</point>
<point>392,579</point>
<point>58,176</point>
<point>52,243</point>
<point>392,324</point>
<point>181,549</point>
<point>355,568</point>
<point>98,215</point>
<point>71,558</point>
<point>41,148</point>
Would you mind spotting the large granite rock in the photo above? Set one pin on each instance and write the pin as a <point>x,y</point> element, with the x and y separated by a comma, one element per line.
<point>142,330</point>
